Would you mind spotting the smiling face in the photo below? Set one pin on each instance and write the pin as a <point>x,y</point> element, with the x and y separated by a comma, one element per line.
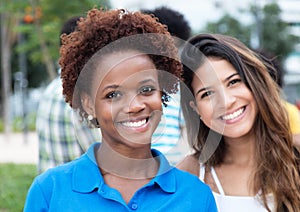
<point>223,101</point>
<point>127,101</point>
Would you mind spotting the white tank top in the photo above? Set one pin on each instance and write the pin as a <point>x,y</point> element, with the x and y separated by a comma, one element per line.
<point>236,203</point>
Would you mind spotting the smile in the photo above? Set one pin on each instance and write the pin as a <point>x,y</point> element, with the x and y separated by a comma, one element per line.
<point>134,124</point>
<point>233,115</point>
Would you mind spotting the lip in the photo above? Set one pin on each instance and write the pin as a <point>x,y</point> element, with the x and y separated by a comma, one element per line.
<point>234,116</point>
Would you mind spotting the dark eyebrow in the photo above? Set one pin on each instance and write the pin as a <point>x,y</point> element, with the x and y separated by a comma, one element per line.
<point>200,90</point>
<point>114,86</point>
<point>111,87</point>
<point>232,75</point>
<point>147,80</point>
<point>226,79</point>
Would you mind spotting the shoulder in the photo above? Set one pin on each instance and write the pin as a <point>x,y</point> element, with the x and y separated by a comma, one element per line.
<point>186,179</point>
<point>62,173</point>
<point>193,190</point>
<point>189,164</point>
<point>55,184</point>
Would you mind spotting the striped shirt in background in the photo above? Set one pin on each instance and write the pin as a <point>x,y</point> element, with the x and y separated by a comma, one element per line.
<point>168,137</point>
<point>61,137</point>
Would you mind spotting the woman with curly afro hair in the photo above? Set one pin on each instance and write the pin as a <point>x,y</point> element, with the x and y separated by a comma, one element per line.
<point>118,69</point>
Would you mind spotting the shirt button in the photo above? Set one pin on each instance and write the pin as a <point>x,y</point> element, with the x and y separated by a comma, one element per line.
<point>134,206</point>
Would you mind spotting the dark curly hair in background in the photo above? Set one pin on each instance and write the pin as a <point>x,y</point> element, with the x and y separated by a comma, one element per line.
<point>101,28</point>
<point>175,21</point>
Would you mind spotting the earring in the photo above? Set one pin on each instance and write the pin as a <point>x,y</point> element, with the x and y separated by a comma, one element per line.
<point>90,117</point>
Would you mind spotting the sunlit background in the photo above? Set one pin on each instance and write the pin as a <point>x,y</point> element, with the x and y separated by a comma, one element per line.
<point>29,51</point>
<point>30,32</point>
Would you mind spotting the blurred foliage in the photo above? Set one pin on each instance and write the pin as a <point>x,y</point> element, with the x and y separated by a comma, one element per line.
<point>1,125</point>
<point>228,25</point>
<point>272,33</point>
<point>18,124</point>
<point>275,35</point>
<point>50,16</point>
<point>16,179</point>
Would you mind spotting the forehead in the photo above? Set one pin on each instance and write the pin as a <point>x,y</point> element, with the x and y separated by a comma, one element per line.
<point>213,70</point>
<point>109,61</point>
<point>131,68</point>
<point>121,67</point>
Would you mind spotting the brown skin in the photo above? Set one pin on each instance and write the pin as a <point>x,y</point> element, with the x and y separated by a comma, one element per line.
<point>124,164</point>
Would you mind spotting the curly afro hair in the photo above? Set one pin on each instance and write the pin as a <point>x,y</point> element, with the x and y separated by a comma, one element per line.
<point>101,28</point>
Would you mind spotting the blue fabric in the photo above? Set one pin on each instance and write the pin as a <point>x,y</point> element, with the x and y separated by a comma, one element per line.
<point>79,186</point>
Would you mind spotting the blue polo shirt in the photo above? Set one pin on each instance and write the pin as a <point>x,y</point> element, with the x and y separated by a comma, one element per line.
<point>79,186</point>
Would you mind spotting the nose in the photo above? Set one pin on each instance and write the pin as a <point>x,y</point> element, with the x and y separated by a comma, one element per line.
<point>226,99</point>
<point>134,104</point>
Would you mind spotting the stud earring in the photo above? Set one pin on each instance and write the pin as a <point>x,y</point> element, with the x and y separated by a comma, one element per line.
<point>90,117</point>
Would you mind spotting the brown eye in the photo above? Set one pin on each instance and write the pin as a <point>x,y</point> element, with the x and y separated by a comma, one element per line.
<point>146,90</point>
<point>207,93</point>
<point>113,94</point>
<point>234,81</point>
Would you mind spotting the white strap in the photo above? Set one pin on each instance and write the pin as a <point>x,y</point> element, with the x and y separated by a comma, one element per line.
<point>202,172</point>
<point>216,179</point>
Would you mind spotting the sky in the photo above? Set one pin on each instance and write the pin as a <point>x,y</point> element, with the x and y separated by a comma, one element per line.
<point>196,12</point>
<point>199,12</point>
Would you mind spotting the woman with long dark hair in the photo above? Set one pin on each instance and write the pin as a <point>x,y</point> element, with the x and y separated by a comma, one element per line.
<point>237,127</point>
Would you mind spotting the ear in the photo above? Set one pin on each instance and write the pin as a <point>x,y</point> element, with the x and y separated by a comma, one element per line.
<point>194,107</point>
<point>88,104</point>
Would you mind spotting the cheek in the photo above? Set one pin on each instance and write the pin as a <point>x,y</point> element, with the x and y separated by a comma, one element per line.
<point>103,111</point>
<point>156,102</point>
<point>205,111</point>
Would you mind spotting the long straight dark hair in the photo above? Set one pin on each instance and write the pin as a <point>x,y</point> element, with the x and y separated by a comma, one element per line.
<point>277,165</point>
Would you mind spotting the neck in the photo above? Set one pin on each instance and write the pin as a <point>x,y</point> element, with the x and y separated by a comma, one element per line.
<point>240,151</point>
<point>141,167</point>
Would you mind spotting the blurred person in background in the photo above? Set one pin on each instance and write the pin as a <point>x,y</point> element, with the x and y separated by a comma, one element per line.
<point>60,138</point>
<point>168,137</point>
<point>175,21</point>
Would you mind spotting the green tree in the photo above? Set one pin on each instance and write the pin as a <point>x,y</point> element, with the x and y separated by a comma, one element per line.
<point>7,21</point>
<point>39,22</point>
<point>42,33</point>
<point>228,25</point>
<point>274,33</point>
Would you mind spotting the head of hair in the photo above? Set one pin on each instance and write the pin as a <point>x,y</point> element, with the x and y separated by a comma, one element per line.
<point>275,159</point>
<point>109,28</point>
<point>273,64</point>
<point>69,26</point>
<point>177,25</point>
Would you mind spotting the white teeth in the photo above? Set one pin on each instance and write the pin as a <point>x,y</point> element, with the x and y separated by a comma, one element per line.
<point>134,124</point>
<point>233,115</point>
